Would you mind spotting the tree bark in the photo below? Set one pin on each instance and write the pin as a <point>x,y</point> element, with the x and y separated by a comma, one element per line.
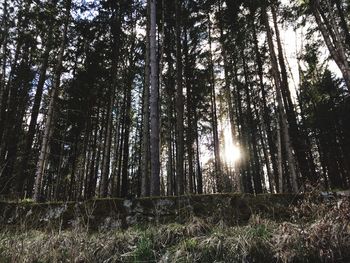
<point>128,122</point>
<point>332,41</point>
<point>10,89</point>
<point>169,93</point>
<point>255,162</point>
<point>280,106</point>
<point>4,41</point>
<point>343,22</point>
<point>306,164</point>
<point>189,129</point>
<point>34,113</point>
<point>145,184</point>
<point>49,119</point>
<point>179,105</point>
<point>229,100</point>
<point>154,104</point>
<point>266,123</point>
<point>214,117</point>
<point>198,162</point>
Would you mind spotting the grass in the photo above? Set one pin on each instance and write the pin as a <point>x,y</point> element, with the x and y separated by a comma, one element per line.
<point>316,233</point>
<point>143,251</point>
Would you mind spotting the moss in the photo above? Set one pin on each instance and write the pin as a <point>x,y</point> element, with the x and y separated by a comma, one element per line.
<point>228,208</point>
<point>105,199</point>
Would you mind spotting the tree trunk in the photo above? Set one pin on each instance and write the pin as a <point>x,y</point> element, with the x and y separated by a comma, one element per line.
<point>179,106</point>
<point>3,61</point>
<point>279,158</point>
<point>199,170</point>
<point>126,134</point>
<point>145,182</point>
<point>127,123</point>
<point>169,93</point>
<point>214,117</point>
<point>229,99</point>
<point>120,151</point>
<point>15,114</point>
<point>115,34</point>
<point>34,113</point>
<point>189,130</point>
<point>49,119</point>
<point>281,110</point>
<point>252,128</point>
<point>343,22</point>
<point>154,104</point>
<point>107,147</point>
<point>9,90</point>
<point>306,164</point>
<point>332,41</point>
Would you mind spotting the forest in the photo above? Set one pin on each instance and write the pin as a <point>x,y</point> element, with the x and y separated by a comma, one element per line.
<point>157,98</point>
<point>175,131</point>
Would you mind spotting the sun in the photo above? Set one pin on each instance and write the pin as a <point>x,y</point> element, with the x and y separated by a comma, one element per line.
<point>232,154</point>
<point>231,151</point>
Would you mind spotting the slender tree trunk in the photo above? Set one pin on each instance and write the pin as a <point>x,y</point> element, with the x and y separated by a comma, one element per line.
<point>343,22</point>
<point>169,92</point>
<point>306,164</point>
<point>99,157</point>
<point>266,123</point>
<point>91,181</point>
<point>120,151</point>
<point>154,104</point>
<point>228,96</point>
<point>333,43</point>
<point>267,157</point>
<point>245,177</point>
<point>15,114</point>
<point>279,158</point>
<point>253,136</point>
<point>87,157</point>
<point>281,110</point>
<point>107,147</point>
<point>4,41</point>
<point>128,123</point>
<point>116,34</point>
<point>34,113</point>
<point>117,153</point>
<point>199,170</point>
<point>189,130</point>
<point>179,105</point>
<point>126,134</point>
<point>214,117</point>
<point>145,176</point>
<point>49,119</point>
<point>5,104</point>
<point>11,88</point>
<point>74,162</point>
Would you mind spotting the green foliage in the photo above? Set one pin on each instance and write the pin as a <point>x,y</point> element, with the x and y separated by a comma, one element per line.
<point>191,244</point>
<point>144,248</point>
<point>260,231</point>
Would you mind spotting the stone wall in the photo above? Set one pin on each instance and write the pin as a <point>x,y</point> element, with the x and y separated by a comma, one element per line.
<point>100,214</point>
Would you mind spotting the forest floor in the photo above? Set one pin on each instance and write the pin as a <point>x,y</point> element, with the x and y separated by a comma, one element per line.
<point>318,232</point>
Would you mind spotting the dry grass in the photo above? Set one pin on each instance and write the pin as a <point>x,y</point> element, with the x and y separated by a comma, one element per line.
<point>318,233</point>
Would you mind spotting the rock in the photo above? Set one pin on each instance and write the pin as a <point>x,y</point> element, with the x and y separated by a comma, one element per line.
<point>104,214</point>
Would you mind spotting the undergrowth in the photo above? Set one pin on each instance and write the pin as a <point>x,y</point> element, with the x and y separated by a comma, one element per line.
<point>316,233</point>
